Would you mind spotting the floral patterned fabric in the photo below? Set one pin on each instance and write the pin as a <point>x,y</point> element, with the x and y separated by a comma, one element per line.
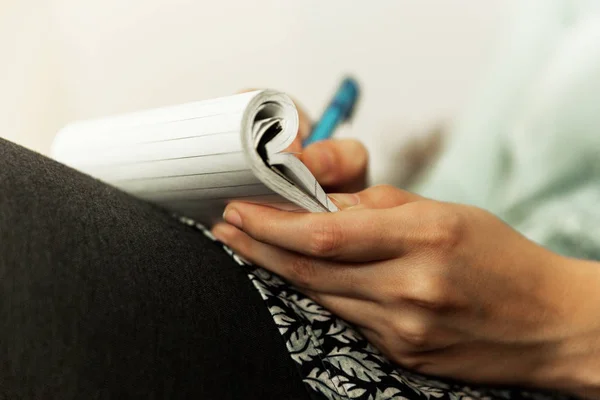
<point>336,362</point>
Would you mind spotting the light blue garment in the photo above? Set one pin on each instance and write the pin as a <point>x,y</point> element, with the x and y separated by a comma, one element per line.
<point>528,148</point>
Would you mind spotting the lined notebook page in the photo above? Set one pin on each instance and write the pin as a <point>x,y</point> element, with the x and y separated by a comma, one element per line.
<point>187,158</point>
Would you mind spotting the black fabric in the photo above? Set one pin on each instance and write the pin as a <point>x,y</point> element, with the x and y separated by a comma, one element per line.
<point>105,296</point>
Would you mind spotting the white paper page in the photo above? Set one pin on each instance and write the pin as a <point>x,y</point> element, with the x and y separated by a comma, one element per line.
<point>187,158</point>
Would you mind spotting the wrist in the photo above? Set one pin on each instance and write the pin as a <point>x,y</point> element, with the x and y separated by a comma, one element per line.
<point>573,358</point>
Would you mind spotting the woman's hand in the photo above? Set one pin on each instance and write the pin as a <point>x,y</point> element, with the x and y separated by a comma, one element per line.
<point>338,165</point>
<point>441,288</point>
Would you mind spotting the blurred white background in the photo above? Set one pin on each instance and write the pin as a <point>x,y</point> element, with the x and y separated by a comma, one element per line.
<point>417,61</point>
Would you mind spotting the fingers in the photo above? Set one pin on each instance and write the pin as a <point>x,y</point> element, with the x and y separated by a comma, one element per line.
<point>360,312</point>
<point>355,236</point>
<point>303,272</point>
<point>372,229</point>
<point>339,164</point>
<point>376,197</point>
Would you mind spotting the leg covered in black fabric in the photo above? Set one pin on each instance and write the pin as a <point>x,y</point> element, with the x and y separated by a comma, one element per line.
<point>105,296</point>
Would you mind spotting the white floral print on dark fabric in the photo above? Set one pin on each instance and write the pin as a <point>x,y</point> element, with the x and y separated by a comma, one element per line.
<point>337,362</point>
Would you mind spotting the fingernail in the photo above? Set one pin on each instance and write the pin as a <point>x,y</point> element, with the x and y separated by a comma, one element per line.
<point>233,217</point>
<point>345,200</point>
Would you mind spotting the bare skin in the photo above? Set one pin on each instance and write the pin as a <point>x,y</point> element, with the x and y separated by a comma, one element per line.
<point>444,289</point>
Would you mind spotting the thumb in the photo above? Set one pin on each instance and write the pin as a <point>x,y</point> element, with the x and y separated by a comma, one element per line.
<point>376,197</point>
<point>341,164</point>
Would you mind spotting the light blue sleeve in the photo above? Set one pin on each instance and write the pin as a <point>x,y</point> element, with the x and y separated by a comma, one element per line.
<point>554,144</point>
<point>552,190</point>
<point>472,164</point>
<point>528,148</point>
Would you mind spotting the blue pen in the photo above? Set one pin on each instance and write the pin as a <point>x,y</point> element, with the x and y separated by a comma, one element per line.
<point>340,109</point>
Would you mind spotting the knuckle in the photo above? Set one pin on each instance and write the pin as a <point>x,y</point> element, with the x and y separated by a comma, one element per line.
<point>326,239</point>
<point>382,194</point>
<point>446,230</point>
<point>411,362</point>
<point>384,189</point>
<point>302,272</point>
<point>389,196</point>
<point>424,290</point>
<point>415,335</point>
<point>430,292</point>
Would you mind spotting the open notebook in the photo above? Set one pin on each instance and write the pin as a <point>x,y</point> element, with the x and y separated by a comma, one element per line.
<point>194,158</point>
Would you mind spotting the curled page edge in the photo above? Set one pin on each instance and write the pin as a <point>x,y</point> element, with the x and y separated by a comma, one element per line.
<point>268,104</point>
